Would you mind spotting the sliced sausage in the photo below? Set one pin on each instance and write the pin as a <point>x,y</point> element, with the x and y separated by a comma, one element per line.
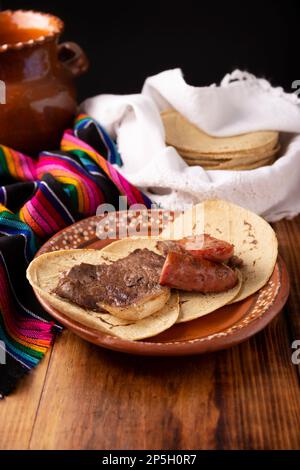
<point>182,271</point>
<point>199,246</point>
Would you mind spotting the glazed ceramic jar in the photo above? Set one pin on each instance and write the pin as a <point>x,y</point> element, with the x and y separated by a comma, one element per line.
<point>37,76</point>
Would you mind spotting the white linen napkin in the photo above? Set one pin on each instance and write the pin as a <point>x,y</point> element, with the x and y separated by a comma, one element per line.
<point>242,103</point>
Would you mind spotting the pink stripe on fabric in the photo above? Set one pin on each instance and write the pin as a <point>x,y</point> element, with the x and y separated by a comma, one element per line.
<point>87,186</point>
<point>39,214</point>
<point>78,142</point>
<point>122,184</point>
<point>23,326</point>
<point>28,166</point>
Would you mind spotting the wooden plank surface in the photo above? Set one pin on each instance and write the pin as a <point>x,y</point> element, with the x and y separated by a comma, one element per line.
<point>288,233</point>
<point>18,411</point>
<point>247,397</point>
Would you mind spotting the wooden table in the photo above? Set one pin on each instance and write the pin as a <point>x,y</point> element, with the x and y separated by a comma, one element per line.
<point>248,397</point>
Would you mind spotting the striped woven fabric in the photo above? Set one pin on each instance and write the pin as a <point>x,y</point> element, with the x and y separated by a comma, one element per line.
<point>38,198</point>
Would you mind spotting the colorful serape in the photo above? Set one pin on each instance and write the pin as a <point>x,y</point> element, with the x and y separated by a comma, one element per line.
<point>38,198</point>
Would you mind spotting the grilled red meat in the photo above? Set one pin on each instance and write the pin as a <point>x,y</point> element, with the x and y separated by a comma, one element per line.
<point>183,271</point>
<point>199,246</point>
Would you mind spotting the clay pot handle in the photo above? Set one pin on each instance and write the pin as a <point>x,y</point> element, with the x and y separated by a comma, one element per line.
<point>73,57</point>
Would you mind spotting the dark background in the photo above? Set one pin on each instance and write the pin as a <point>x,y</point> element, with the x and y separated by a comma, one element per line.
<point>130,40</point>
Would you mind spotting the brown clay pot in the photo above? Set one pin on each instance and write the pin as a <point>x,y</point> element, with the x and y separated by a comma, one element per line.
<point>38,75</point>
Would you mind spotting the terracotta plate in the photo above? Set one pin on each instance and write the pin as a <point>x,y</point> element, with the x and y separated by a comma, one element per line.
<point>223,328</point>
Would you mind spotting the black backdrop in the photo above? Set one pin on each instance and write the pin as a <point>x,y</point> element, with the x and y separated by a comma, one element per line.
<point>128,40</point>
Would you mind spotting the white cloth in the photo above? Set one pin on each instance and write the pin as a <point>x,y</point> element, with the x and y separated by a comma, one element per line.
<point>242,103</point>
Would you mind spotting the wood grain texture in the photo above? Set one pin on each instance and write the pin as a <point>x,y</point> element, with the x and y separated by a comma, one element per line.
<point>288,233</point>
<point>247,397</point>
<point>18,411</point>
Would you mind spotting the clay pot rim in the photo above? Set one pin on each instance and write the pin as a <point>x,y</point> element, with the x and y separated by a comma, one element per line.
<point>58,27</point>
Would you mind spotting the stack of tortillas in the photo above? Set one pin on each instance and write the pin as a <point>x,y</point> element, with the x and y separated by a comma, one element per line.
<point>240,152</point>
